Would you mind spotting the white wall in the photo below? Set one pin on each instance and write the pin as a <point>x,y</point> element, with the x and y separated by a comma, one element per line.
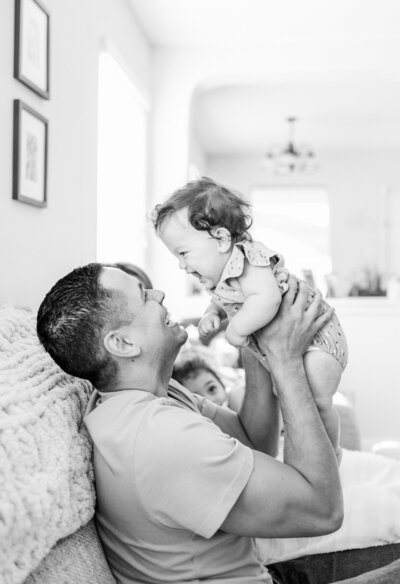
<point>37,246</point>
<point>372,376</point>
<point>355,181</point>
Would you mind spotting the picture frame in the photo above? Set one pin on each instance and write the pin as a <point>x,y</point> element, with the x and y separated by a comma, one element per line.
<point>31,46</point>
<point>30,146</point>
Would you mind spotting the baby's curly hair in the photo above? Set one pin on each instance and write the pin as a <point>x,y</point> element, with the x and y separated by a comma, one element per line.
<point>209,205</point>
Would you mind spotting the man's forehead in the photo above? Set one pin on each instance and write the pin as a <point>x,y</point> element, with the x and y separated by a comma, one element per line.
<point>115,279</point>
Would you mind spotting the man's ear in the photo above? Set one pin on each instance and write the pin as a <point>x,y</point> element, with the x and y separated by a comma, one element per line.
<point>224,238</point>
<point>120,344</point>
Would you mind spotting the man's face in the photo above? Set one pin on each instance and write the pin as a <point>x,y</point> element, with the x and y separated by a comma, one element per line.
<point>145,316</point>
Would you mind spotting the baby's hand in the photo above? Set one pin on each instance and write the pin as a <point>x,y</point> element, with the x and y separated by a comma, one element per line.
<point>208,324</point>
<point>234,338</point>
<point>282,277</point>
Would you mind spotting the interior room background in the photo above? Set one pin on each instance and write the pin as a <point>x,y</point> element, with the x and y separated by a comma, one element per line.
<point>101,183</point>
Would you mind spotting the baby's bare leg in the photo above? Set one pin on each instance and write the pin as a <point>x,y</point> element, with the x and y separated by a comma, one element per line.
<point>324,373</point>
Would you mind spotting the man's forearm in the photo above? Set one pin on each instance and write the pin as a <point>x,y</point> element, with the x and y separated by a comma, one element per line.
<point>259,414</point>
<point>257,423</point>
<point>307,447</point>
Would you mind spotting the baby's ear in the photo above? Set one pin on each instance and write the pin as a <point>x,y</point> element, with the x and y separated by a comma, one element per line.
<point>224,238</point>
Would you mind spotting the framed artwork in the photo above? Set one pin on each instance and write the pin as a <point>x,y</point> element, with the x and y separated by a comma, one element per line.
<point>31,49</point>
<point>29,155</point>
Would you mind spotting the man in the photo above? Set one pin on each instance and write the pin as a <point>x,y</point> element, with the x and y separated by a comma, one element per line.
<point>184,485</point>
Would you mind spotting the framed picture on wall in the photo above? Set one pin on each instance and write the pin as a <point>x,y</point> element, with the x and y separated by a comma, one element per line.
<point>31,48</point>
<point>29,155</point>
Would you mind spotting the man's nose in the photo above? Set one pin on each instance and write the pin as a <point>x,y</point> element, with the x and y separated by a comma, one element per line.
<point>156,295</point>
<point>182,263</point>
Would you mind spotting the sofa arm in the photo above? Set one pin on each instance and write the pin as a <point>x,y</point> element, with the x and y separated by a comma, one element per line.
<point>76,559</point>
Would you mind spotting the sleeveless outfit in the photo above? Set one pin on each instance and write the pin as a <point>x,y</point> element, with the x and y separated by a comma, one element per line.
<point>228,295</point>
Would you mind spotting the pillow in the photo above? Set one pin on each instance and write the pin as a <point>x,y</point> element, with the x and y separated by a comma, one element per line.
<point>46,479</point>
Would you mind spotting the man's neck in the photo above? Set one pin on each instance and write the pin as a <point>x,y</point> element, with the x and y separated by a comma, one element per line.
<point>140,376</point>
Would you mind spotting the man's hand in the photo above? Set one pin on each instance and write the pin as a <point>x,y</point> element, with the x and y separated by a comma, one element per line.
<point>208,324</point>
<point>298,320</point>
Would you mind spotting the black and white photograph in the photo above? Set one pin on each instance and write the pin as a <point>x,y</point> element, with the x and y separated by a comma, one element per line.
<point>30,155</point>
<point>31,46</point>
<point>200,301</point>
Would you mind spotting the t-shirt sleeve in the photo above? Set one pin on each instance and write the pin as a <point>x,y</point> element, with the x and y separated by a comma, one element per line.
<point>190,474</point>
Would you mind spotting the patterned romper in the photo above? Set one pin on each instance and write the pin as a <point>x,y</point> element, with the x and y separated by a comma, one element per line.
<point>330,338</point>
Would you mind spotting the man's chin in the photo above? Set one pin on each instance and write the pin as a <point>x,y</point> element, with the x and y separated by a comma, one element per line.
<point>183,334</point>
<point>176,344</point>
<point>179,332</point>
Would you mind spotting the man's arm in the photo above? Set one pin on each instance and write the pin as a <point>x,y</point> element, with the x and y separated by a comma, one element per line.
<point>259,414</point>
<point>302,496</point>
<point>257,423</point>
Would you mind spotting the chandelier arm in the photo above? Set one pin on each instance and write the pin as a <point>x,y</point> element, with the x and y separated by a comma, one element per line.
<point>289,159</point>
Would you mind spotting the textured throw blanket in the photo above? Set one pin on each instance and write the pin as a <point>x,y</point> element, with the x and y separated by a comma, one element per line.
<point>46,482</point>
<point>371,496</point>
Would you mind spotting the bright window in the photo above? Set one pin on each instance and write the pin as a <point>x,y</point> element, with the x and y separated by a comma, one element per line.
<point>295,222</point>
<point>122,147</point>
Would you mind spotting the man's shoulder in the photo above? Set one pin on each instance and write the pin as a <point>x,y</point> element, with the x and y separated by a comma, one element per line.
<point>115,412</point>
<point>183,396</point>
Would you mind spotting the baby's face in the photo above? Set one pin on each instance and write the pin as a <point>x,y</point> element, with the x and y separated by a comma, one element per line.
<point>205,384</point>
<point>198,253</point>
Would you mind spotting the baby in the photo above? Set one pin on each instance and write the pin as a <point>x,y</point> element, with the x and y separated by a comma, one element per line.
<point>206,227</point>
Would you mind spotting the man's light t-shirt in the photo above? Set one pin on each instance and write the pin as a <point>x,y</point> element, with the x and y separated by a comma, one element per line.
<point>166,479</point>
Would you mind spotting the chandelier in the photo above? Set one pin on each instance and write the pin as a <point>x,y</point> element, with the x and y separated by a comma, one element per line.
<point>290,159</point>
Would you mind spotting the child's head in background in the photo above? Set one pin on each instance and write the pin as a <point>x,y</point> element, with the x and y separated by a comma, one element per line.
<point>192,371</point>
<point>199,224</point>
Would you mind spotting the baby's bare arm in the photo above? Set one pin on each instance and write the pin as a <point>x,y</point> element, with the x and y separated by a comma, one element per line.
<point>262,300</point>
<point>213,308</point>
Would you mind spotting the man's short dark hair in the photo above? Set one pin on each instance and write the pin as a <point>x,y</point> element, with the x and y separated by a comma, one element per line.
<point>71,322</point>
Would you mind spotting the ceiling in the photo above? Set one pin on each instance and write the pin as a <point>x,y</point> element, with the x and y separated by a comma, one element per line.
<point>240,22</point>
<point>335,110</point>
